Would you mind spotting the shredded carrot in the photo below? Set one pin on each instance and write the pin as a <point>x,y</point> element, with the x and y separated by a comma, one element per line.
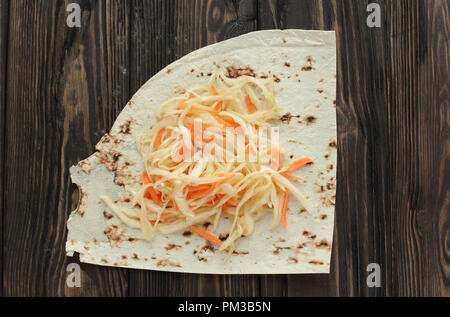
<point>218,107</point>
<point>151,193</point>
<point>205,234</point>
<point>198,193</point>
<point>250,105</point>
<point>172,204</point>
<point>158,138</point>
<point>224,180</point>
<point>224,209</point>
<point>293,176</point>
<point>284,210</point>
<point>198,187</point>
<point>226,123</point>
<point>299,163</point>
<point>214,90</point>
<point>232,202</point>
<point>145,179</point>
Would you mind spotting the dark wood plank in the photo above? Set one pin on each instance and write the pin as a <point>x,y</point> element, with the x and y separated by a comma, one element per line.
<point>65,88</point>
<point>392,101</point>
<point>3,61</point>
<point>435,147</point>
<point>163,31</point>
<point>420,150</point>
<point>301,14</point>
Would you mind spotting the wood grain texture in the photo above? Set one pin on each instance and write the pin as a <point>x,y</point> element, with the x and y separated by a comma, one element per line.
<point>3,61</point>
<point>65,88</point>
<point>61,90</point>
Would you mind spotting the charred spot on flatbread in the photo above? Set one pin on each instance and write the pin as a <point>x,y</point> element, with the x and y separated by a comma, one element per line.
<point>126,127</point>
<point>235,72</point>
<point>286,118</point>
<point>310,119</point>
<point>172,246</point>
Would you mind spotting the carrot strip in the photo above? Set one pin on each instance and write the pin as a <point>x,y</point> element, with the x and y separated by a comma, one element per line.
<point>284,210</point>
<point>203,190</point>
<point>145,179</point>
<point>158,138</point>
<point>227,123</point>
<point>293,176</point>
<point>205,234</point>
<point>198,193</point>
<point>151,193</point>
<point>214,90</point>
<point>232,202</point>
<point>172,204</point>
<point>218,107</point>
<point>250,105</point>
<point>224,209</point>
<point>222,181</point>
<point>299,163</point>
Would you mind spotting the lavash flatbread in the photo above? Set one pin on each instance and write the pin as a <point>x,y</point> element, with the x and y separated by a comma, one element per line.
<point>303,67</point>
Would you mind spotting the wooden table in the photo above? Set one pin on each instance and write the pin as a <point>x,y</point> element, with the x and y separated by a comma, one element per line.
<point>61,89</point>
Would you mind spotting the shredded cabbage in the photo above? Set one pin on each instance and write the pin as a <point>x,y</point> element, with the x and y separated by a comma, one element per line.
<point>191,178</point>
